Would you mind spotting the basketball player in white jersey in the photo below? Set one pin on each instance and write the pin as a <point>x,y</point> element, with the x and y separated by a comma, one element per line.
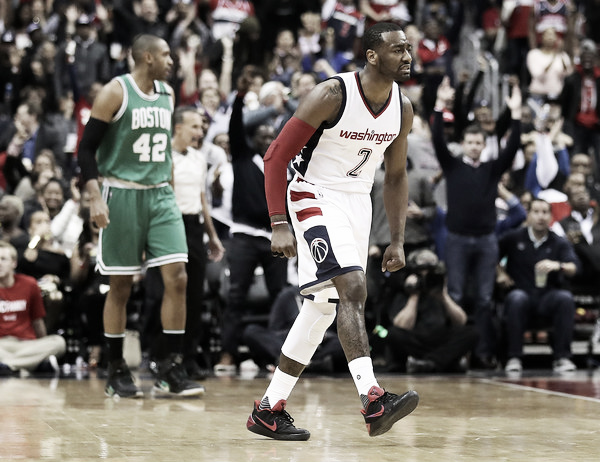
<point>336,139</point>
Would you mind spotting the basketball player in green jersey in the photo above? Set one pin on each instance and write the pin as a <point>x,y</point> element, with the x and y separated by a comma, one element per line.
<point>127,142</point>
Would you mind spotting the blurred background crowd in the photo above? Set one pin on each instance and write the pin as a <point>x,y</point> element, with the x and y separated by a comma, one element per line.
<point>55,55</point>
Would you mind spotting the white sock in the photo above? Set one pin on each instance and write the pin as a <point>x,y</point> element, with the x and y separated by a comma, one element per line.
<point>281,387</point>
<point>363,375</point>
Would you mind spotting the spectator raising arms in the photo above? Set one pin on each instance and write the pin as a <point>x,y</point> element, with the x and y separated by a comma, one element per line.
<point>471,248</point>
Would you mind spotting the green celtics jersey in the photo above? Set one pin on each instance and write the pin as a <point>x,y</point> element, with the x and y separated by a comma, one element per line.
<point>137,145</point>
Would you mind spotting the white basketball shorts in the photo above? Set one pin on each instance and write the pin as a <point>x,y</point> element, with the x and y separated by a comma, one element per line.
<point>332,233</point>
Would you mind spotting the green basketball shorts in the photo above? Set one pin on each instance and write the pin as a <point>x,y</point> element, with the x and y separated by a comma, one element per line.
<point>146,229</point>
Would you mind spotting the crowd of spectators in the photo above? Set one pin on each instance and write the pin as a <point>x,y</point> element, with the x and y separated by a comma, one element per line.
<point>56,55</point>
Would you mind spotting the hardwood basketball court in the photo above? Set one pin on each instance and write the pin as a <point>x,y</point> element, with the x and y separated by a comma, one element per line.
<point>474,418</point>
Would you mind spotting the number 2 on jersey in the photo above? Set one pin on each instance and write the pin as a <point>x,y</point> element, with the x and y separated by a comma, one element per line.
<point>365,154</point>
<point>151,150</point>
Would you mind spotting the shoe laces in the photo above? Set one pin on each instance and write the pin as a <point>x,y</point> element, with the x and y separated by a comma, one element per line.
<point>386,397</point>
<point>281,415</point>
<point>285,418</point>
<point>177,372</point>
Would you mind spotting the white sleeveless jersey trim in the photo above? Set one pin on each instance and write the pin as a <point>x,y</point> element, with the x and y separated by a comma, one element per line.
<point>153,97</point>
<point>345,155</point>
<point>123,107</point>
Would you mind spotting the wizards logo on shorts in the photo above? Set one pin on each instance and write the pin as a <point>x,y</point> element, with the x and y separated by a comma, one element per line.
<point>319,249</point>
<point>319,244</point>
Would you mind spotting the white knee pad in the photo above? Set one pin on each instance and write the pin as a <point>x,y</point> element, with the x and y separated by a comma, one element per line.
<point>308,330</point>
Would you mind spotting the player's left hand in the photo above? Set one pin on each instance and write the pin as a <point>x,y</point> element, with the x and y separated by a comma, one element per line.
<point>393,258</point>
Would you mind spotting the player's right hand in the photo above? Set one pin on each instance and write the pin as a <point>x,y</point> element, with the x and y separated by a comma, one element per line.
<point>283,242</point>
<point>99,212</point>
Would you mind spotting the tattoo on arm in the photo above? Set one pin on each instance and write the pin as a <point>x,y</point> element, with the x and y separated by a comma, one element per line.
<point>335,90</point>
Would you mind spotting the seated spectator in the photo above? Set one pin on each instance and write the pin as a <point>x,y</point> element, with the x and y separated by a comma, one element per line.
<point>561,207</point>
<point>285,58</point>
<point>34,203</point>
<point>50,198</point>
<point>427,325</point>
<point>11,212</point>
<point>582,163</point>
<point>511,212</point>
<point>89,289</point>
<point>25,188</point>
<point>42,259</point>
<point>549,167</point>
<point>582,229</point>
<point>265,342</point>
<point>24,343</point>
<point>20,139</point>
<point>537,263</point>
<point>67,224</point>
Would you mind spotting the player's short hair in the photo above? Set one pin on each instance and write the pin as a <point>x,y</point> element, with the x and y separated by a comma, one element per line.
<point>372,37</point>
<point>143,43</point>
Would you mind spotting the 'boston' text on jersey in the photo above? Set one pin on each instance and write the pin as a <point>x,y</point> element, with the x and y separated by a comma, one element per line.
<point>150,117</point>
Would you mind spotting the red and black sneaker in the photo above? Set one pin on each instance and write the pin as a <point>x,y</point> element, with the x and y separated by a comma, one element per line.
<point>275,423</point>
<point>383,409</point>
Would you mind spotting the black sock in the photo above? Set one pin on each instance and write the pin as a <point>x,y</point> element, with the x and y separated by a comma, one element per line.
<point>172,344</point>
<point>114,348</point>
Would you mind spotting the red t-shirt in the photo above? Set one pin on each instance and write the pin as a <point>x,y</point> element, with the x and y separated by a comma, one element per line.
<point>20,305</point>
<point>587,115</point>
<point>518,25</point>
<point>3,183</point>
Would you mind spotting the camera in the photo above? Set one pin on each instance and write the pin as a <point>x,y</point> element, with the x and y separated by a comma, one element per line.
<point>426,272</point>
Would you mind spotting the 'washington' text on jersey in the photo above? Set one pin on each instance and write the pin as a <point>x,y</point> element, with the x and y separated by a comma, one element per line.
<point>368,136</point>
<point>344,154</point>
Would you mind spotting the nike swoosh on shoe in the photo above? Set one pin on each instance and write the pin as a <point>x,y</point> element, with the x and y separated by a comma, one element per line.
<point>378,413</point>
<point>272,427</point>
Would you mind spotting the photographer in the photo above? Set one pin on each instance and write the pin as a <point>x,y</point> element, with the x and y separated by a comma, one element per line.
<point>427,325</point>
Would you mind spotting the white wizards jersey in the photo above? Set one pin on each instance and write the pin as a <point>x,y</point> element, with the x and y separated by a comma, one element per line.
<point>345,154</point>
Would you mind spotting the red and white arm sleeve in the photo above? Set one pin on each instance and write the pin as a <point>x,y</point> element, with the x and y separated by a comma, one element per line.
<point>292,138</point>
